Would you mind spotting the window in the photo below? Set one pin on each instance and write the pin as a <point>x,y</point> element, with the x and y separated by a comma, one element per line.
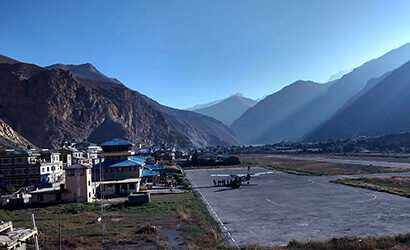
<point>40,197</point>
<point>70,173</point>
<point>48,169</point>
<point>89,194</point>
<point>53,168</point>
<point>131,186</point>
<point>89,183</point>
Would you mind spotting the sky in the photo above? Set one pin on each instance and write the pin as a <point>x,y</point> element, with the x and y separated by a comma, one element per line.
<point>186,52</point>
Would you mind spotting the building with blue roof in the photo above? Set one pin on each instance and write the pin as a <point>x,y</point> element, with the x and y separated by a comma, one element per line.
<point>149,173</point>
<point>119,171</point>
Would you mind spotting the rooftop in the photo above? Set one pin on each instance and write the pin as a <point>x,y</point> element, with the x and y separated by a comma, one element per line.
<point>116,142</point>
<point>119,163</point>
<point>146,173</point>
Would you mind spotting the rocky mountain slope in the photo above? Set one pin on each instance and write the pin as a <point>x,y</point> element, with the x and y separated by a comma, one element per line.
<point>274,108</point>
<point>199,130</point>
<point>11,139</point>
<point>382,109</point>
<point>202,130</point>
<point>49,106</point>
<point>299,124</point>
<point>228,109</point>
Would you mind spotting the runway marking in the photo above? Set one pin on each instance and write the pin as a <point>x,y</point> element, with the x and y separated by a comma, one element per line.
<point>277,204</point>
<point>213,211</point>
<point>329,203</point>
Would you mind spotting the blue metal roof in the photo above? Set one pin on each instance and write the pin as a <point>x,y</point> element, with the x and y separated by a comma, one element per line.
<point>154,167</point>
<point>115,142</point>
<point>146,173</point>
<point>119,163</point>
<point>137,159</point>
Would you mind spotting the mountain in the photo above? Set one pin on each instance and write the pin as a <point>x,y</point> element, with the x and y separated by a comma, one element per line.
<point>49,106</point>
<point>382,109</point>
<point>85,70</point>
<point>11,139</point>
<point>8,60</point>
<point>299,124</point>
<point>229,109</point>
<point>338,75</point>
<point>201,131</point>
<point>274,108</point>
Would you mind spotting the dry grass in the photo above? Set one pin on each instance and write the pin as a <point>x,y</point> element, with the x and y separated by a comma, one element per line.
<point>399,242</point>
<point>314,167</point>
<point>133,226</point>
<point>399,185</point>
<point>404,158</point>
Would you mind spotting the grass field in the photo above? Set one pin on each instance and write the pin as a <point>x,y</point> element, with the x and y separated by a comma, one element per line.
<point>399,185</point>
<point>166,222</point>
<point>314,167</point>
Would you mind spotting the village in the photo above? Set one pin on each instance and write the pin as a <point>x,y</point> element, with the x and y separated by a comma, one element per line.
<point>91,173</point>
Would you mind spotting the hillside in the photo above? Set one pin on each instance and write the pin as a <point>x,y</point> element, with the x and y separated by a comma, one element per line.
<point>383,109</point>
<point>49,106</point>
<point>201,131</point>
<point>273,108</point>
<point>302,122</point>
<point>11,139</point>
<point>229,109</point>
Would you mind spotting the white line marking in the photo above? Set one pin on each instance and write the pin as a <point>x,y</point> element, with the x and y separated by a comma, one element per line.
<point>210,208</point>
<point>277,204</point>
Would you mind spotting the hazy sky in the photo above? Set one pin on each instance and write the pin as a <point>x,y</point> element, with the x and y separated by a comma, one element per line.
<point>182,53</point>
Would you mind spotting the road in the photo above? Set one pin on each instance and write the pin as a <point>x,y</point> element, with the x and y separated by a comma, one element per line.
<point>278,207</point>
<point>344,161</point>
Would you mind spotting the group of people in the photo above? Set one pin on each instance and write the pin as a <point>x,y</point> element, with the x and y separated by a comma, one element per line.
<point>236,182</point>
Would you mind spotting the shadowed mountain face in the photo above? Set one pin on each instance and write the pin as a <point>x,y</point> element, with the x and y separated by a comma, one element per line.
<point>310,116</point>
<point>200,130</point>
<point>86,70</point>
<point>49,106</point>
<point>382,109</point>
<point>229,109</point>
<point>274,108</point>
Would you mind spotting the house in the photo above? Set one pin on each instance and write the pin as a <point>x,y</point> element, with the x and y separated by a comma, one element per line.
<point>30,168</point>
<point>119,171</point>
<point>51,168</point>
<point>78,187</point>
<point>19,169</point>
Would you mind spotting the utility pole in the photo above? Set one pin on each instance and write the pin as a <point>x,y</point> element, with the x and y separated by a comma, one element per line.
<point>33,221</point>
<point>102,201</point>
<point>59,234</point>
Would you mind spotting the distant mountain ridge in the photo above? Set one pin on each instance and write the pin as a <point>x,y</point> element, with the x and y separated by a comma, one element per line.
<point>300,123</point>
<point>228,109</point>
<point>85,70</point>
<point>383,109</point>
<point>274,108</point>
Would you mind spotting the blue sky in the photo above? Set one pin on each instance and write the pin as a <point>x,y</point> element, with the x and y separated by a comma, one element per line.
<point>182,53</point>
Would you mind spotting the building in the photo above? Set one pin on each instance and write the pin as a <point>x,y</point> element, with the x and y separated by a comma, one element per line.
<point>51,168</point>
<point>78,187</point>
<point>119,170</point>
<point>19,169</point>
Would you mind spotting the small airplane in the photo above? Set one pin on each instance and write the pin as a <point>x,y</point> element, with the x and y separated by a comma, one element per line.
<point>238,178</point>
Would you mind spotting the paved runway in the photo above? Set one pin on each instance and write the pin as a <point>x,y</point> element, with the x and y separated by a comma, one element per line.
<point>278,207</point>
<point>344,161</point>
